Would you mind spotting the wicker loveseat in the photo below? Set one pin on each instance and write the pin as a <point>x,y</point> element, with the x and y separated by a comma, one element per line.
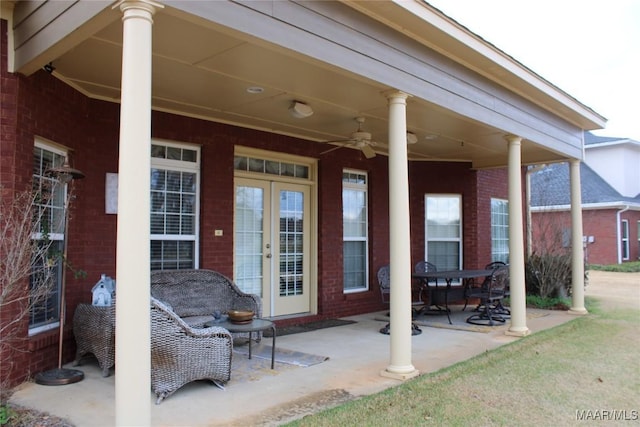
<point>195,295</point>
<point>181,354</point>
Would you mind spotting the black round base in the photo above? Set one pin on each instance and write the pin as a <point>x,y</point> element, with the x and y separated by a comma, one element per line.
<point>59,376</point>
<point>415,330</point>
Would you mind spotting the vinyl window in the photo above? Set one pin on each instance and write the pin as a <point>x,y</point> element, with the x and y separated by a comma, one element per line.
<point>49,227</point>
<point>175,192</point>
<point>500,230</point>
<point>443,231</point>
<point>355,225</point>
<point>625,239</point>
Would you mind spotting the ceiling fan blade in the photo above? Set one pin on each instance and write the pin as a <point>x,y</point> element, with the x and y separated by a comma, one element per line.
<point>368,151</point>
<point>332,149</point>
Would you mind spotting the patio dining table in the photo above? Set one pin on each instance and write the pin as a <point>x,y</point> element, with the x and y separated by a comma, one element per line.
<point>466,276</point>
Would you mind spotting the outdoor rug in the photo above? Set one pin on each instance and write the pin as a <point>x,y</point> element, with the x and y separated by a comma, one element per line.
<point>458,320</point>
<point>283,355</point>
<point>308,327</point>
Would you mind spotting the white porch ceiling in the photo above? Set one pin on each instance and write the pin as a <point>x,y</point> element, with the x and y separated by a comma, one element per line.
<point>203,70</point>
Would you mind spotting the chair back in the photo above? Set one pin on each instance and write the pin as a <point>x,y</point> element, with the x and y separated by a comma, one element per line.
<point>499,280</point>
<point>384,282</point>
<point>425,267</point>
<point>494,265</point>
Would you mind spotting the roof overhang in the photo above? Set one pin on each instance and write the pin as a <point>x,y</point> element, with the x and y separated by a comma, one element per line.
<point>340,58</point>
<point>620,205</point>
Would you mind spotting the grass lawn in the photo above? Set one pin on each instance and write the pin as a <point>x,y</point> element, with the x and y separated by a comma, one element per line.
<point>579,369</point>
<point>626,267</point>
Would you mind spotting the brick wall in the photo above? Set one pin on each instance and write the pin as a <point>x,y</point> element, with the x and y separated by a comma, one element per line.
<point>42,106</point>
<point>599,223</point>
<point>476,187</point>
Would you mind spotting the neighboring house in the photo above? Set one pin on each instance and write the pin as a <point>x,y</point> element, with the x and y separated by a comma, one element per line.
<point>616,160</point>
<point>611,221</point>
<point>223,111</point>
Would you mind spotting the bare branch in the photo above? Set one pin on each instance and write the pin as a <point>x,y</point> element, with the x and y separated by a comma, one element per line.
<point>27,267</point>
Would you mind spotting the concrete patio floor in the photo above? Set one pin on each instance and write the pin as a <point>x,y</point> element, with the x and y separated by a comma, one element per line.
<point>357,353</point>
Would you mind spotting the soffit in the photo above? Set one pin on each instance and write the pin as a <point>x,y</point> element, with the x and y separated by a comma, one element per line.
<point>203,70</point>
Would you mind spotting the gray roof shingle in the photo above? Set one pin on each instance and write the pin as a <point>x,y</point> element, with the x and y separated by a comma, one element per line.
<point>590,139</point>
<point>550,186</point>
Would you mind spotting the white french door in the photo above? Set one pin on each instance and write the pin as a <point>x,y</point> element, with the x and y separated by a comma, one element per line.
<point>272,244</point>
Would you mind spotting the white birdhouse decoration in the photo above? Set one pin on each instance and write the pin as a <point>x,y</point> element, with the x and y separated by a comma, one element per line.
<point>104,291</point>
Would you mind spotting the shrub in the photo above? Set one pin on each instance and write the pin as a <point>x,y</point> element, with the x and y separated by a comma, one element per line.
<point>548,275</point>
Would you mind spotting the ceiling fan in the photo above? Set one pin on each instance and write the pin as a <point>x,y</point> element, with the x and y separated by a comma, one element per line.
<point>359,139</point>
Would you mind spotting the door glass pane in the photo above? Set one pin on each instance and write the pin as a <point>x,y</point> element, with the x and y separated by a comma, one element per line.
<point>291,242</point>
<point>249,235</point>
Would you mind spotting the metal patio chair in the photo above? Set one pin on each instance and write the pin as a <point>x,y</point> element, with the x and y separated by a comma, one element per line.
<point>490,293</point>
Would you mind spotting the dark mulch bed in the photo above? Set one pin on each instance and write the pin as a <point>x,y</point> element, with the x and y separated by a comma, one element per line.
<point>307,327</point>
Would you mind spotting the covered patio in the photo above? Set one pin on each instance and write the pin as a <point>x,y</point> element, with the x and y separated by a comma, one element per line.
<point>355,353</point>
<point>430,91</point>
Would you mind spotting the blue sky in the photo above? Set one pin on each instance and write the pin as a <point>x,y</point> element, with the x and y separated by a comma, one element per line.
<point>588,48</point>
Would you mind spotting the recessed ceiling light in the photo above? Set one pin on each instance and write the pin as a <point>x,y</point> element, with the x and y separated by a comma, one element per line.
<point>255,89</point>
<point>431,136</point>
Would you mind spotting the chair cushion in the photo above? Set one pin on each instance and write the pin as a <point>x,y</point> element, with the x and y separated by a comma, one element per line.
<point>197,321</point>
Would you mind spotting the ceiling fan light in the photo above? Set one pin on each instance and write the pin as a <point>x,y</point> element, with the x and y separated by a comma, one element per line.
<point>361,136</point>
<point>300,110</point>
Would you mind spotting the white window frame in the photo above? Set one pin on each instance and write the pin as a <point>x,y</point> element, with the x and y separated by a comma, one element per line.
<point>55,235</point>
<point>181,166</point>
<point>624,239</point>
<point>363,188</point>
<point>495,226</point>
<point>428,239</point>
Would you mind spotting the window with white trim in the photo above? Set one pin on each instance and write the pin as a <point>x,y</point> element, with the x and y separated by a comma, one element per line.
<point>49,217</point>
<point>443,231</point>
<point>625,239</point>
<point>175,194</point>
<point>500,230</point>
<point>355,227</point>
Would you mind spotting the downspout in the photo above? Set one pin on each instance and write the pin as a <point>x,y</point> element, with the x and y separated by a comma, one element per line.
<point>530,170</point>
<point>619,232</point>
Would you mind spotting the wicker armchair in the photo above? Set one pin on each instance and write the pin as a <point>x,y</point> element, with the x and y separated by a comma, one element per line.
<point>181,354</point>
<point>94,329</point>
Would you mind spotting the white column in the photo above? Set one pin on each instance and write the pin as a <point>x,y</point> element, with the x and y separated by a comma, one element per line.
<point>577,250</point>
<point>133,361</point>
<point>516,241</point>
<point>400,366</point>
